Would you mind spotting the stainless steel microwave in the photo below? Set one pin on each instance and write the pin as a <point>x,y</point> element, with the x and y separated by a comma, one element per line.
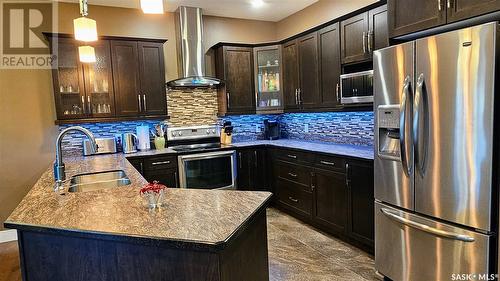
<point>356,87</point>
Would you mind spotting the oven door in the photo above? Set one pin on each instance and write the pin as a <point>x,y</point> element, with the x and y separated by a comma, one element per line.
<point>213,170</point>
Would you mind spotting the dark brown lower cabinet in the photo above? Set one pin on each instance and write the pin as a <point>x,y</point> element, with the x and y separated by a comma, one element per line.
<point>161,169</point>
<point>252,169</point>
<point>334,199</point>
<point>330,199</point>
<point>361,204</point>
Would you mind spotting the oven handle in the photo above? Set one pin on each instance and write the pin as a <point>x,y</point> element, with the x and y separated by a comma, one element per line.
<point>208,155</point>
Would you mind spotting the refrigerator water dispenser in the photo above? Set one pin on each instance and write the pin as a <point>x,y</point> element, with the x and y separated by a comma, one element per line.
<point>388,124</point>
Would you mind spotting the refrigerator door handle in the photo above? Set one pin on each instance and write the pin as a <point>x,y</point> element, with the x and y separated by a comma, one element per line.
<point>426,228</point>
<point>402,125</point>
<point>420,111</point>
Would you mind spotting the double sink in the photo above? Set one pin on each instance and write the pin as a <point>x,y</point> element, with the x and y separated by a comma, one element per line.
<point>97,181</point>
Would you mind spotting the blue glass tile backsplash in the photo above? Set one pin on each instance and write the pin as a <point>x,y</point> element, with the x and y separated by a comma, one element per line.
<point>336,127</point>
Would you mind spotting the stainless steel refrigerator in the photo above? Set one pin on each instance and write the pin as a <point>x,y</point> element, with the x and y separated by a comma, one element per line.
<point>435,193</point>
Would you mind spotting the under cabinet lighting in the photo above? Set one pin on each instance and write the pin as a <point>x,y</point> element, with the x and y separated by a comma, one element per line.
<point>87,54</point>
<point>152,6</point>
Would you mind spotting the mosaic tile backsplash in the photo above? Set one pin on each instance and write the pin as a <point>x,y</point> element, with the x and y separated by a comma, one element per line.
<point>336,127</point>
<point>73,141</point>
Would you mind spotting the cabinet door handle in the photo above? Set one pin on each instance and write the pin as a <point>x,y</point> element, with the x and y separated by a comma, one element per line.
<point>448,4</point>
<point>176,179</point>
<point>144,101</point>
<point>347,181</point>
<point>255,160</point>
<point>300,96</point>
<point>439,5</point>
<point>160,163</point>
<point>296,96</point>
<point>293,199</point>
<point>83,105</point>
<point>292,156</point>
<point>292,175</point>
<point>337,92</point>
<point>140,104</point>
<point>89,104</point>
<point>239,159</point>
<point>142,168</point>
<point>370,41</point>
<point>228,100</point>
<point>364,42</point>
<point>327,163</point>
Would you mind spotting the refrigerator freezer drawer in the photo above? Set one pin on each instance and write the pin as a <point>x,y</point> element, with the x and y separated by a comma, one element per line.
<point>410,247</point>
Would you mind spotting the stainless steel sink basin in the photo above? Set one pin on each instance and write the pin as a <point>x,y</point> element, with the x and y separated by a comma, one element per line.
<point>96,181</point>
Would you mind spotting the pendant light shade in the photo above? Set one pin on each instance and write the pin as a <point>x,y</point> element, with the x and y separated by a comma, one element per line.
<point>85,29</point>
<point>152,6</point>
<point>87,54</point>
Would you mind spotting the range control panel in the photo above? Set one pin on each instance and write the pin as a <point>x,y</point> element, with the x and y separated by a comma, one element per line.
<point>388,116</point>
<point>193,133</point>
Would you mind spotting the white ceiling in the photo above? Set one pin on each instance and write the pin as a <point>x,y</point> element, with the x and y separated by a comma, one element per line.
<point>272,10</point>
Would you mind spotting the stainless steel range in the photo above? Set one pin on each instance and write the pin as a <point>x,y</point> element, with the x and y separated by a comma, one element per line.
<point>203,162</point>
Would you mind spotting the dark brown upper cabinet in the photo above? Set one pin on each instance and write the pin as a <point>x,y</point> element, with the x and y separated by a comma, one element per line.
<point>126,82</point>
<point>308,70</point>
<point>152,77</point>
<point>234,65</point>
<point>140,78</point>
<point>126,73</point>
<point>364,33</point>
<point>463,9</point>
<point>290,75</point>
<point>329,65</point>
<point>301,73</point>
<point>408,16</point>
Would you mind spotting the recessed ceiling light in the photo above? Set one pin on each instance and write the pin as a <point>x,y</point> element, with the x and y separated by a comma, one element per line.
<point>257,3</point>
<point>152,6</point>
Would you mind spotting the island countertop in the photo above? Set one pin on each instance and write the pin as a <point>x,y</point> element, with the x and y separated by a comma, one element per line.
<point>205,218</point>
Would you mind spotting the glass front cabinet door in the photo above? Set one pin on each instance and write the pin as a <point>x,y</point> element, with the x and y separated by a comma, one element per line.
<point>268,79</point>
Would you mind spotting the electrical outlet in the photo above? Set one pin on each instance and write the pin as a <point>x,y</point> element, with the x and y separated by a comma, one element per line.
<point>257,128</point>
<point>306,128</point>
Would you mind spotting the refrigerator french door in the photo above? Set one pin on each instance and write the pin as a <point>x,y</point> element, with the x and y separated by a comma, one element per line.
<point>434,141</point>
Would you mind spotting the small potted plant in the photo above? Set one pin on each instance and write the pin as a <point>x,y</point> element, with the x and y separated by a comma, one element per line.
<point>153,193</point>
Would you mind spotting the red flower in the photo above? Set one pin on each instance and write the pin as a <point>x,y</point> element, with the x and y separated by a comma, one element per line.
<point>152,187</point>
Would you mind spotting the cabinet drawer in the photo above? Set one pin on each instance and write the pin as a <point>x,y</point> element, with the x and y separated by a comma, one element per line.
<point>329,162</point>
<point>291,155</point>
<point>295,173</point>
<point>167,177</point>
<point>293,196</point>
<point>159,163</point>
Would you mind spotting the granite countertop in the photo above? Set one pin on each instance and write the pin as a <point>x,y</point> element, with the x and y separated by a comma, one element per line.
<point>357,151</point>
<point>201,217</point>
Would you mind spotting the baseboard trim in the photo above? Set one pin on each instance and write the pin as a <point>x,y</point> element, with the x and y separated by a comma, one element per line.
<point>8,235</point>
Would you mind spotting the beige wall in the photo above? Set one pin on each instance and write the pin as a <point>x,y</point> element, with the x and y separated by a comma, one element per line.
<point>317,14</point>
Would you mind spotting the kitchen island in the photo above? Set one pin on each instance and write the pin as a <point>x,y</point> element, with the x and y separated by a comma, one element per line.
<point>110,234</point>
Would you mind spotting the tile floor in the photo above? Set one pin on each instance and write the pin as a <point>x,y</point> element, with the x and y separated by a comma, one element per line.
<point>297,252</point>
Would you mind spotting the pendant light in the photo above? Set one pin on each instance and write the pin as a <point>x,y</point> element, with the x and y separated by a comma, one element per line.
<point>152,6</point>
<point>87,54</point>
<point>85,28</point>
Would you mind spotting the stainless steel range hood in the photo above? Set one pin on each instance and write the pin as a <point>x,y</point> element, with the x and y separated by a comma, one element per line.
<point>191,60</point>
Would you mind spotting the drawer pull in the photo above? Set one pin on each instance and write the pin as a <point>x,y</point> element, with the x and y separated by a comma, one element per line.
<point>327,163</point>
<point>293,199</point>
<point>160,163</point>
<point>292,175</point>
<point>292,156</point>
